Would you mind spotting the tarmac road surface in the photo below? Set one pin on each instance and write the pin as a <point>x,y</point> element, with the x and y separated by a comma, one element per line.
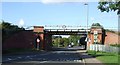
<point>45,57</point>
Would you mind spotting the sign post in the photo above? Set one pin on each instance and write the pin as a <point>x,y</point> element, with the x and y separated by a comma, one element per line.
<point>38,43</point>
<point>95,40</point>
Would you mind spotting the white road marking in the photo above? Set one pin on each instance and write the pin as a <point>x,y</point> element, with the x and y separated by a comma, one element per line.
<point>19,57</point>
<point>9,59</point>
<point>28,56</point>
<point>43,62</point>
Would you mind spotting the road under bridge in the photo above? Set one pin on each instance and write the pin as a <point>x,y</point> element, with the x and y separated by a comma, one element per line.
<point>46,34</point>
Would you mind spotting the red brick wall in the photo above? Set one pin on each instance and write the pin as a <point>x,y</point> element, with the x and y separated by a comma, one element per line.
<point>38,29</point>
<point>42,40</point>
<point>111,38</point>
<point>91,35</point>
<point>19,40</point>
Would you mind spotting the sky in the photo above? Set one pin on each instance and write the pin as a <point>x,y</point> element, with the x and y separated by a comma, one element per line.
<point>44,13</point>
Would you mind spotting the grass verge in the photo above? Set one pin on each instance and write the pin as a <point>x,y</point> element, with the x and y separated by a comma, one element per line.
<point>106,57</point>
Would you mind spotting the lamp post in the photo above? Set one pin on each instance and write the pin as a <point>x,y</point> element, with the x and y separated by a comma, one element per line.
<point>87,12</point>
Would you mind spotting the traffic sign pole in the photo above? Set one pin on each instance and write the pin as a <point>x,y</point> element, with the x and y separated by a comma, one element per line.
<point>95,40</point>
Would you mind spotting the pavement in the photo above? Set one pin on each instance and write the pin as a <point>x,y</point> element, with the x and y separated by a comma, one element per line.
<point>88,59</point>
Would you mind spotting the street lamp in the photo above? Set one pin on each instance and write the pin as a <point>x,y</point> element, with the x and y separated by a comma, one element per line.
<point>87,12</point>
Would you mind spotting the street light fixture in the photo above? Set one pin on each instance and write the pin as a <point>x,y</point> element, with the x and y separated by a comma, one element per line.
<point>87,12</point>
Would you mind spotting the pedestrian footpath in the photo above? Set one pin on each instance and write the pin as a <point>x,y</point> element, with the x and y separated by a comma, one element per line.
<point>88,59</point>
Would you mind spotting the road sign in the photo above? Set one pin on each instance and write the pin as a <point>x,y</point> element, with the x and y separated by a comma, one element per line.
<point>95,32</point>
<point>95,40</point>
<point>38,40</point>
<point>95,36</point>
<point>87,40</point>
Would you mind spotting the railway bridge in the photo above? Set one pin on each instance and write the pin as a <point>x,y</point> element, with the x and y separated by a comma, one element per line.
<point>45,34</point>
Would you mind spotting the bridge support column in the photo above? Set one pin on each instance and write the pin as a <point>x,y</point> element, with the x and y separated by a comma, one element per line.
<point>48,41</point>
<point>39,31</point>
<point>101,35</point>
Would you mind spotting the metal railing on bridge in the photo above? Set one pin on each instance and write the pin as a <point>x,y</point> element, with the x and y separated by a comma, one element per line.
<point>68,30</point>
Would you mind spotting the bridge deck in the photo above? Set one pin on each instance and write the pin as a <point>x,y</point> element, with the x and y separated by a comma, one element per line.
<point>67,31</point>
<point>73,30</point>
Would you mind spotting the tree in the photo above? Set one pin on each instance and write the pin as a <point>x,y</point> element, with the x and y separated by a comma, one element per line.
<point>109,5</point>
<point>8,29</point>
<point>66,41</point>
<point>74,39</point>
<point>5,25</point>
<point>96,25</point>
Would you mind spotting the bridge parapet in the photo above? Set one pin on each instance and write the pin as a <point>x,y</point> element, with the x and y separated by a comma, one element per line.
<point>64,27</point>
<point>70,30</point>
